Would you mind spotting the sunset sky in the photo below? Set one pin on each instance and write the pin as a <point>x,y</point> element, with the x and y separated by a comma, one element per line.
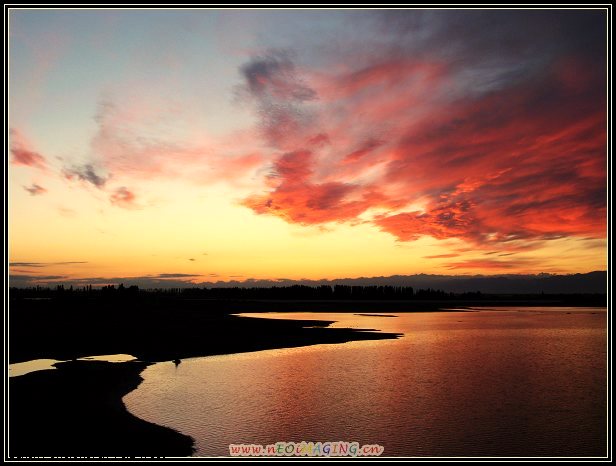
<point>213,145</point>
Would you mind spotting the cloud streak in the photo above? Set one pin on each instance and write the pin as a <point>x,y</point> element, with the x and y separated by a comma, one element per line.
<point>492,264</point>
<point>134,140</point>
<point>441,256</point>
<point>44,264</point>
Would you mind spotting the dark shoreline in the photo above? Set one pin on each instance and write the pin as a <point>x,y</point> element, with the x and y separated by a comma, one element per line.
<point>77,411</point>
<point>87,395</point>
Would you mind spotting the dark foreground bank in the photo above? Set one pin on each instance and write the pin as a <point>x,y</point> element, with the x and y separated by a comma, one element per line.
<point>77,409</point>
<point>157,326</point>
<point>157,330</point>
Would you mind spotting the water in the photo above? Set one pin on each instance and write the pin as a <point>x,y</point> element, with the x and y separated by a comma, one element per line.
<point>506,382</point>
<point>23,368</point>
<point>110,358</point>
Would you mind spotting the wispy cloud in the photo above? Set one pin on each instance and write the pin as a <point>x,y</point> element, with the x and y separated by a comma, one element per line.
<point>66,212</point>
<point>19,279</point>
<point>136,140</point>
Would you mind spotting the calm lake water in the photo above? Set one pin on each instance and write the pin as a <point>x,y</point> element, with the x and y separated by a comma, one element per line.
<point>23,368</point>
<point>499,382</point>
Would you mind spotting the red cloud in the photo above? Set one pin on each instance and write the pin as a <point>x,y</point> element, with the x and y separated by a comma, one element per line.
<point>22,152</point>
<point>123,197</point>
<point>447,220</point>
<point>297,199</point>
<point>525,162</point>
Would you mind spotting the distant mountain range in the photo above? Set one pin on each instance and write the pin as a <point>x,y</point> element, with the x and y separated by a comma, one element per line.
<point>592,282</point>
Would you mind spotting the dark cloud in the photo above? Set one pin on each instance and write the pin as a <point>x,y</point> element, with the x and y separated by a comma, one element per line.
<point>35,189</point>
<point>86,173</point>
<point>279,93</point>
<point>26,280</point>
<point>496,48</point>
<point>274,75</point>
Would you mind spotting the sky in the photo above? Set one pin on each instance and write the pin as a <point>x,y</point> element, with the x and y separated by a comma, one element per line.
<point>192,146</point>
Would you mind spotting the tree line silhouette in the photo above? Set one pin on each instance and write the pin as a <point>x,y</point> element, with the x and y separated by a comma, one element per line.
<point>295,293</point>
<point>292,292</point>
